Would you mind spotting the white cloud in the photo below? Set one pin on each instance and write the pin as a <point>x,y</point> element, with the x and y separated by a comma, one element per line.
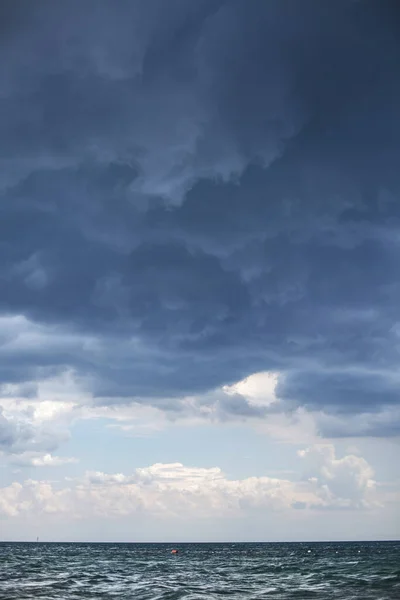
<point>33,425</point>
<point>38,459</point>
<point>258,389</point>
<point>175,490</point>
<point>339,482</point>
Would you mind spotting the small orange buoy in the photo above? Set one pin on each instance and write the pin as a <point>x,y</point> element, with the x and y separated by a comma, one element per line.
<point>174,551</point>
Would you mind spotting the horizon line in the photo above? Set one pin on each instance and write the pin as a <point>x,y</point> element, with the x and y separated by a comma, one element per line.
<point>166,543</point>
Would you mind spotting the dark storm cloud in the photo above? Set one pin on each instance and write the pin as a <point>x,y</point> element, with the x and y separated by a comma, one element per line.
<point>204,190</point>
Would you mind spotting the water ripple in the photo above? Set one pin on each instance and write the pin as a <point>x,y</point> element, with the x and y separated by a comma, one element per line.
<point>338,571</point>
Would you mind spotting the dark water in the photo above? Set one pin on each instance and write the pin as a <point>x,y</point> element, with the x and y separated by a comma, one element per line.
<point>324,570</point>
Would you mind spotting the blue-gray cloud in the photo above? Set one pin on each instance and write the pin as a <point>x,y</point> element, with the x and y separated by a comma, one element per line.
<point>207,190</point>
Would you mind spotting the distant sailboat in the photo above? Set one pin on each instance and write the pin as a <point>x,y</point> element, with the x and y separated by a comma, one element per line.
<point>37,539</point>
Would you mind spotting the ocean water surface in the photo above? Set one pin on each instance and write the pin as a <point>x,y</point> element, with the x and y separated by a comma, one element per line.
<point>149,571</point>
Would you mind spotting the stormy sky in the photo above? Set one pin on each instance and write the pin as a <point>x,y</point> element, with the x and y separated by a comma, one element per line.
<point>199,268</point>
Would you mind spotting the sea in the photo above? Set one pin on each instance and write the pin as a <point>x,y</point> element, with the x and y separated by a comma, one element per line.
<point>345,571</point>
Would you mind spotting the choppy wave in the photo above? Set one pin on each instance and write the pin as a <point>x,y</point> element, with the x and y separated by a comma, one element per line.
<point>360,571</point>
